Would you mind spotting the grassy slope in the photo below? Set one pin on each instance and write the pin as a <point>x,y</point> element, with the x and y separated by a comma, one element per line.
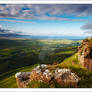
<point>7,80</point>
<point>84,74</point>
<point>72,63</point>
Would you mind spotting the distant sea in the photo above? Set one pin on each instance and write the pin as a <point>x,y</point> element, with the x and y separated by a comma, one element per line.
<point>43,37</point>
<point>59,37</point>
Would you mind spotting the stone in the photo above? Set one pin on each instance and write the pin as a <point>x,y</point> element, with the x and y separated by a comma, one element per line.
<point>65,76</point>
<point>41,73</point>
<point>40,67</point>
<point>22,78</point>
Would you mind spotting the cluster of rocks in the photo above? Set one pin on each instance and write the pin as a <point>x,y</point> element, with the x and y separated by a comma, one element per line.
<point>43,74</point>
<point>85,53</point>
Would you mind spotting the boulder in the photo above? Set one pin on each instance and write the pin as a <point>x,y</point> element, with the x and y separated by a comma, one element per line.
<point>66,77</point>
<point>41,73</point>
<point>22,78</point>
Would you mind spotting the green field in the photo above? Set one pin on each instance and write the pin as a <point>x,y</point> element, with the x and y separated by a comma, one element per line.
<point>17,53</point>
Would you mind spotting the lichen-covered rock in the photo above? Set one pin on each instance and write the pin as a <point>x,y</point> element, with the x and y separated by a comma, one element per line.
<point>43,74</point>
<point>22,78</point>
<point>65,76</point>
<point>40,68</point>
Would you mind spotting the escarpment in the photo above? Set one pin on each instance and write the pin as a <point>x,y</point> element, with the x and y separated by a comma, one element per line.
<point>85,53</point>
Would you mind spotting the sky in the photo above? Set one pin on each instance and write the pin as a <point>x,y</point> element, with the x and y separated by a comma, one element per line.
<point>46,19</point>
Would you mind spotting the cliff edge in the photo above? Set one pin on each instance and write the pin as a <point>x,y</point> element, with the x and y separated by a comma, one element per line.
<point>85,53</point>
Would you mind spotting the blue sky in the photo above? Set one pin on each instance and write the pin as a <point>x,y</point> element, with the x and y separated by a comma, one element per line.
<point>47,20</point>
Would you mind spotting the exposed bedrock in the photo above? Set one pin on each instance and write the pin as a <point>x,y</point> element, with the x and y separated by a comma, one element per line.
<point>43,74</point>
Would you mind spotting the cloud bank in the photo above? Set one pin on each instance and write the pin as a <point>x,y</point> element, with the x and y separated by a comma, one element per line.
<point>6,31</point>
<point>44,11</point>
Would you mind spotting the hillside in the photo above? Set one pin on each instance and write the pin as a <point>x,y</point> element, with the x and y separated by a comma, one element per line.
<point>7,80</point>
<point>71,63</point>
<point>84,74</point>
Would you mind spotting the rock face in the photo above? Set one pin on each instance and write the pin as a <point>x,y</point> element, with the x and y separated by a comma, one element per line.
<point>85,53</point>
<point>43,74</point>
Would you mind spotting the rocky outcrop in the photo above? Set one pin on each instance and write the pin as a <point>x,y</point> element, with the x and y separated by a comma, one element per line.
<point>43,74</point>
<point>85,53</point>
<point>65,76</point>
